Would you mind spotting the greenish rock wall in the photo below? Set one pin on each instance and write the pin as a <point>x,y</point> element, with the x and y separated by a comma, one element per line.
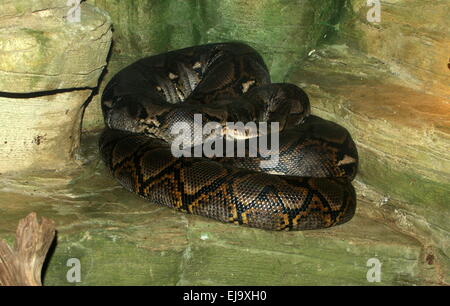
<point>283,31</point>
<point>387,82</point>
<point>403,151</point>
<point>41,51</point>
<point>48,69</point>
<point>412,37</point>
<point>400,125</point>
<point>408,154</point>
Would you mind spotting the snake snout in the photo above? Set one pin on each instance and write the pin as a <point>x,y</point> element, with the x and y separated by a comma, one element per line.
<point>124,113</point>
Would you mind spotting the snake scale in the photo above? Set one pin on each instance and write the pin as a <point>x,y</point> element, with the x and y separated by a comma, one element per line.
<point>310,186</point>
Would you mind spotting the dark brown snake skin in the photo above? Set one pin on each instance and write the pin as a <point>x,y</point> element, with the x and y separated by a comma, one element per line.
<point>310,188</point>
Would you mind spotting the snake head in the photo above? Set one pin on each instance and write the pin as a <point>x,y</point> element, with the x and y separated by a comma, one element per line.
<point>124,113</point>
<point>283,102</point>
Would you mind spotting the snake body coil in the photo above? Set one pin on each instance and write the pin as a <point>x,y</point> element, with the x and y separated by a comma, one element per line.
<point>310,186</point>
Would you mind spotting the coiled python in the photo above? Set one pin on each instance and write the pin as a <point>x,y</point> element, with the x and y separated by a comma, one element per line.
<point>310,186</point>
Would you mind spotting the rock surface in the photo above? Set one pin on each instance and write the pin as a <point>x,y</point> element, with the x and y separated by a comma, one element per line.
<point>412,37</point>
<point>48,67</point>
<point>398,115</point>
<point>402,135</point>
<point>41,51</point>
<point>41,132</point>
<point>283,31</point>
<point>121,239</point>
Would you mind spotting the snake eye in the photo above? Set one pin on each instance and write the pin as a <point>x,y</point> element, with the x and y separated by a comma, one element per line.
<point>143,113</point>
<point>136,110</point>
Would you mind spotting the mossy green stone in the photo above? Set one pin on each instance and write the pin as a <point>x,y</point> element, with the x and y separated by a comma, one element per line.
<point>283,31</point>
<point>121,239</point>
<point>41,51</point>
<point>403,150</point>
<point>403,186</point>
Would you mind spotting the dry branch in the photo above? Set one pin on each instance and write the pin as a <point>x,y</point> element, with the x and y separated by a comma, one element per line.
<point>22,265</point>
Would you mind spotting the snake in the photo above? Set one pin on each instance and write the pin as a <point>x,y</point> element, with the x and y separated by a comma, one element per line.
<point>306,185</point>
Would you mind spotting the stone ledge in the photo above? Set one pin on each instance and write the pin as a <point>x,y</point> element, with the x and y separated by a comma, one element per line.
<point>122,239</point>
<point>41,51</point>
<point>403,135</point>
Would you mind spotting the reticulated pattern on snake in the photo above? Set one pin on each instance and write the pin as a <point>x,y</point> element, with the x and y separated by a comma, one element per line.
<point>309,187</point>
